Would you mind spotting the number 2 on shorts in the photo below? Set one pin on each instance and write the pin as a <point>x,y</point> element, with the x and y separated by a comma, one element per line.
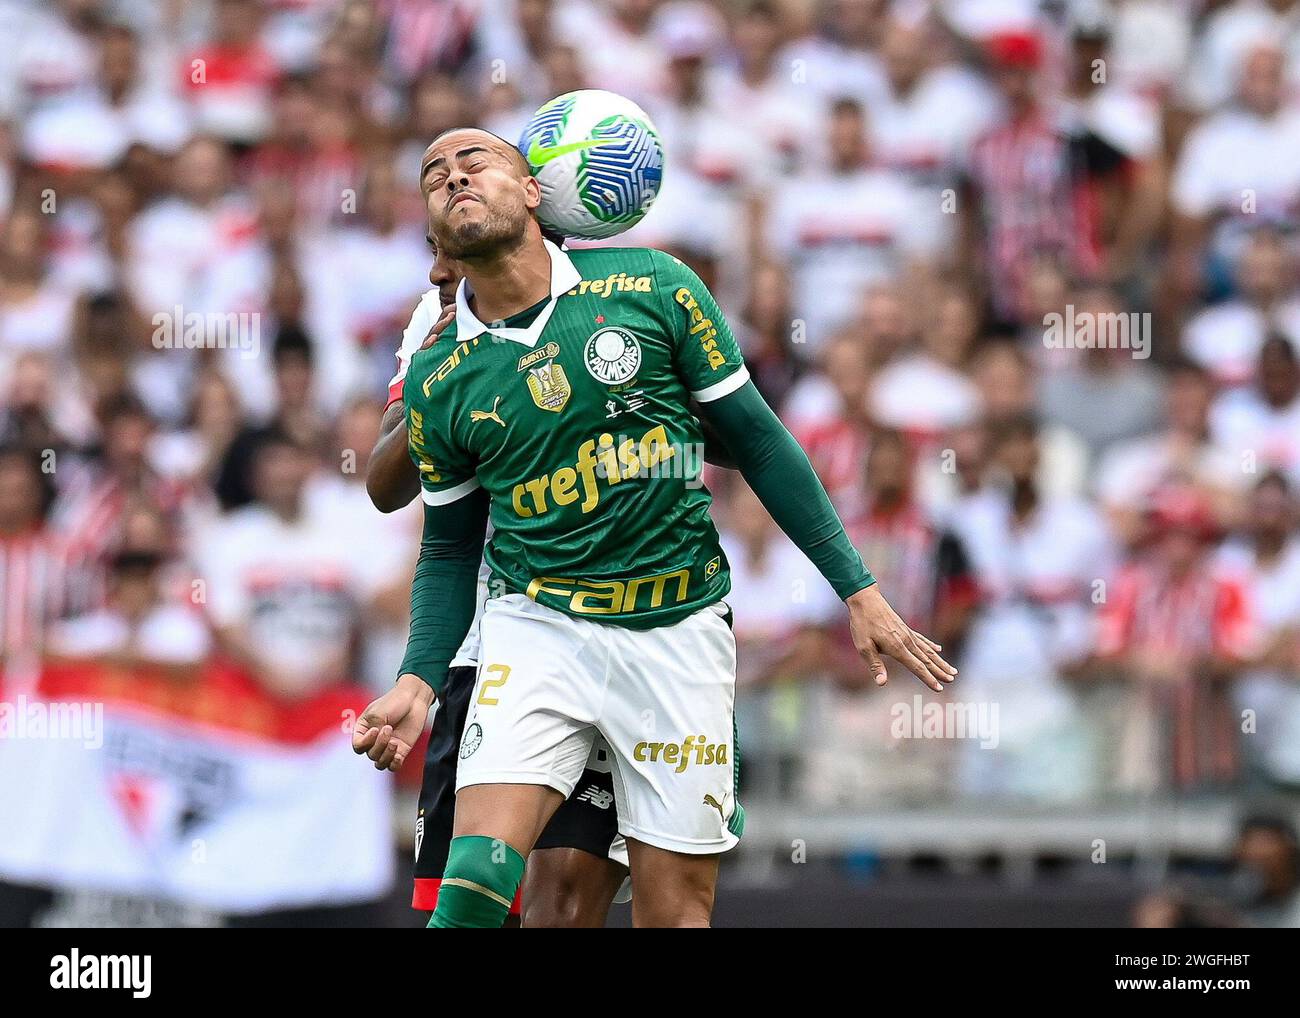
<point>491,701</point>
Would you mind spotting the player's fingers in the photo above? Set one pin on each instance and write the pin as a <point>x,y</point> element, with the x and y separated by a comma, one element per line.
<point>380,744</point>
<point>874,664</point>
<point>386,758</point>
<point>363,736</point>
<point>905,656</point>
<point>946,672</point>
<point>446,318</point>
<point>927,641</point>
<point>399,756</point>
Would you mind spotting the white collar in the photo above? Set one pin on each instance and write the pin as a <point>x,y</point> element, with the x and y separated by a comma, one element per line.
<point>564,277</point>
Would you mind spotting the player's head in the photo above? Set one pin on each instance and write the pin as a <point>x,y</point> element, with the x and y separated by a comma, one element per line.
<point>480,193</point>
<point>445,273</point>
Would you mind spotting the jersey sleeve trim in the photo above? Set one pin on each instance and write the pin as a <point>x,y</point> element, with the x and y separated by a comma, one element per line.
<point>449,495</point>
<point>395,391</point>
<point>724,388</point>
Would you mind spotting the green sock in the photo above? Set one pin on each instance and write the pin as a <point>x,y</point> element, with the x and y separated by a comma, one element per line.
<point>478,885</point>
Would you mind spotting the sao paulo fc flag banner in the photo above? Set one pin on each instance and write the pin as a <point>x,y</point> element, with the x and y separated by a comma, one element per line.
<point>203,791</point>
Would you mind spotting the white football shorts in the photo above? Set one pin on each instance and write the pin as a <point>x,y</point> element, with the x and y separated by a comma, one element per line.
<point>663,699</point>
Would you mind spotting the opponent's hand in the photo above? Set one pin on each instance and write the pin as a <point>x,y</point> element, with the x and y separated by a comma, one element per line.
<point>390,726</point>
<point>877,629</point>
<point>445,318</point>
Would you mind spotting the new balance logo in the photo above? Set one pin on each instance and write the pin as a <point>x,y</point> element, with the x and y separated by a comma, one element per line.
<point>597,796</point>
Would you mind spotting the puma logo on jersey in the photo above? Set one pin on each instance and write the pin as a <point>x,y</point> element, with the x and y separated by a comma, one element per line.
<point>710,801</point>
<point>488,415</point>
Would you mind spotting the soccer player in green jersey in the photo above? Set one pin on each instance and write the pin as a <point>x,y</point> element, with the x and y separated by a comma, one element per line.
<point>559,399</point>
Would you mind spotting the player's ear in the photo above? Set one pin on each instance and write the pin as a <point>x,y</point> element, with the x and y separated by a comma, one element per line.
<point>532,193</point>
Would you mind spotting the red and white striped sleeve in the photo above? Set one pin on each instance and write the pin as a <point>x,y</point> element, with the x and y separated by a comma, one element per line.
<point>423,319</point>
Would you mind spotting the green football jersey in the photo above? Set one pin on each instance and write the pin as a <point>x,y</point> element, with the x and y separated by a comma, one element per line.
<point>574,417</point>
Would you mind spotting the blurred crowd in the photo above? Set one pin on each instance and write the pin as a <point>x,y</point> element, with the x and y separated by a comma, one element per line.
<point>211,238</point>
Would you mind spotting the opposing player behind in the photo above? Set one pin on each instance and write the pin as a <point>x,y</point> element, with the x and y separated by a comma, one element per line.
<point>569,416</point>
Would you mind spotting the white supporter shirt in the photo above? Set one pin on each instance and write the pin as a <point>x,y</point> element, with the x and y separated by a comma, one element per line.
<point>927,132</point>
<point>1244,425</point>
<point>169,634</point>
<point>293,586</point>
<point>1130,472</point>
<point>1235,156</point>
<point>841,233</point>
<point>1036,584</point>
<point>1226,338</point>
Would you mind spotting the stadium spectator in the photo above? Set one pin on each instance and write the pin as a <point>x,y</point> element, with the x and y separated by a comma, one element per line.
<point>93,501</point>
<point>844,224</point>
<point>1032,187</point>
<point>1235,170</point>
<point>1038,562</point>
<point>286,594</point>
<point>41,571</point>
<point>1181,629</point>
<point>1226,338</point>
<point>1268,556</point>
<point>1181,451</point>
<point>1260,426</point>
<point>1268,856</point>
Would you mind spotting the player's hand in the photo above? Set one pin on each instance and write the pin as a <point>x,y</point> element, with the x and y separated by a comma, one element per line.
<point>877,630</point>
<point>447,316</point>
<point>390,726</point>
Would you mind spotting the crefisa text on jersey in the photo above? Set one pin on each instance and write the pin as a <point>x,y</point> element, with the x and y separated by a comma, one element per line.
<point>75,971</point>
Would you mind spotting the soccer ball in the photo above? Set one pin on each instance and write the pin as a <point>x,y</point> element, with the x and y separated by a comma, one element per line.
<point>599,161</point>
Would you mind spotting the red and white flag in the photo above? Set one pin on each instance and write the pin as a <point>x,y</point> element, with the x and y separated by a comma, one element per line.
<point>206,792</point>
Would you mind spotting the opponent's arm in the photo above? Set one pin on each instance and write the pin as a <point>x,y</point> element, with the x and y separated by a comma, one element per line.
<point>774,465</point>
<point>391,478</point>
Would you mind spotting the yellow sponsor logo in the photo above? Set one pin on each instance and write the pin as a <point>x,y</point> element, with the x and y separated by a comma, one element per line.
<point>601,464</point>
<point>614,597</point>
<point>451,362</point>
<point>415,438</point>
<point>537,356</point>
<point>701,327</point>
<point>679,756</point>
<point>615,282</point>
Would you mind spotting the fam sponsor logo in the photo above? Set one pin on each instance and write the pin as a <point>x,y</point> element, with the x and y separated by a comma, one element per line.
<point>179,329</point>
<point>694,749</point>
<point>75,971</point>
<point>22,718</point>
<point>613,597</point>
